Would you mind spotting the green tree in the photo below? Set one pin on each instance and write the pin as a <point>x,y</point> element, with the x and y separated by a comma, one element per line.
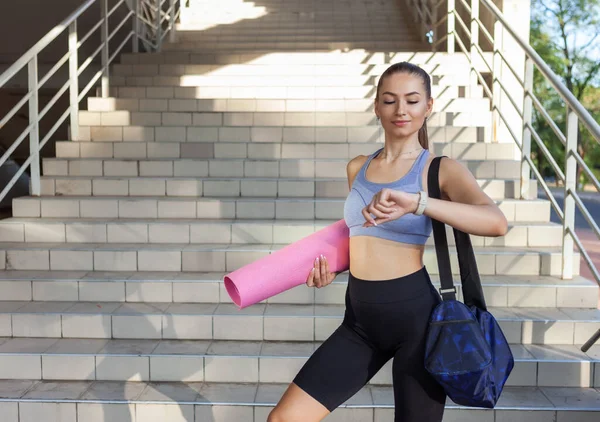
<point>566,34</point>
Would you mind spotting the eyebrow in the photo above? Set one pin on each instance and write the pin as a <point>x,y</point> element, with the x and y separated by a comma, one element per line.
<point>410,93</point>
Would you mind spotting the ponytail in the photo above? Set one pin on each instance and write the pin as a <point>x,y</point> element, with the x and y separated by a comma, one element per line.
<point>423,137</point>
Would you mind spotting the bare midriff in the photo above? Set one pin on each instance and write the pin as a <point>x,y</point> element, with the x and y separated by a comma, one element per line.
<point>373,258</point>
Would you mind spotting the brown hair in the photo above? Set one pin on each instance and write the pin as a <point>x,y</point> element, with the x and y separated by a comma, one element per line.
<point>411,69</point>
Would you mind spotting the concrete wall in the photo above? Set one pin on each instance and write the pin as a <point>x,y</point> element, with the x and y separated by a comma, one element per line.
<point>26,21</point>
<point>22,27</point>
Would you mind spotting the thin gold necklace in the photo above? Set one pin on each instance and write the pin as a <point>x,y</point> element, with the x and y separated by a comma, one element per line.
<point>405,153</point>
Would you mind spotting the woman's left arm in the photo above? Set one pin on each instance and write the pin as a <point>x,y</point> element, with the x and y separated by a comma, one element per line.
<point>468,209</point>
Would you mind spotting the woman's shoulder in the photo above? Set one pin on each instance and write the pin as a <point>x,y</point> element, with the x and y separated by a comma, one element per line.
<point>354,166</point>
<point>356,163</point>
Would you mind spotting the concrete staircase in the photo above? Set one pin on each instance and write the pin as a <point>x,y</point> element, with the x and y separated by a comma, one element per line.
<point>224,147</point>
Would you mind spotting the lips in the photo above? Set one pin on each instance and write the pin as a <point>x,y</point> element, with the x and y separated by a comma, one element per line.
<point>401,123</point>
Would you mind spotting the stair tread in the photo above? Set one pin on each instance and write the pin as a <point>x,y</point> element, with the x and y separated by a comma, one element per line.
<point>257,247</point>
<point>226,198</point>
<point>228,159</point>
<point>211,277</point>
<point>277,222</point>
<point>243,348</point>
<point>266,310</point>
<point>247,178</point>
<point>267,394</point>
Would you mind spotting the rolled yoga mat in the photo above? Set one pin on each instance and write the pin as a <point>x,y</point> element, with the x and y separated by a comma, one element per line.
<point>289,267</point>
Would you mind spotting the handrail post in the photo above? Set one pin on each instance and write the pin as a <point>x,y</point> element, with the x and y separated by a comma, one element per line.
<point>105,56</point>
<point>496,89</point>
<point>73,82</point>
<point>450,22</point>
<point>527,117</point>
<point>474,41</point>
<point>172,20</point>
<point>158,25</point>
<point>434,21</point>
<point>570,186</point>
<point>34,135</point>
<point>424,7</point>
<point>135,40</point>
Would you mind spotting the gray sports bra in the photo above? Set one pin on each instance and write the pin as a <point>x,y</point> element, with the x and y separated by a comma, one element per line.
<point>409,228</point>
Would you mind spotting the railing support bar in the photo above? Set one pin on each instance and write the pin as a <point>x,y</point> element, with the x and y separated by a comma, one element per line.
<point>158,25</point>
<point>104,32</point>
<point>451,24</point>
<point>474,41</point>
<point>34,135</point>
<point>135,41</point>
<point>526,143</point>
<point>73,82</point>
<point>570,185</point>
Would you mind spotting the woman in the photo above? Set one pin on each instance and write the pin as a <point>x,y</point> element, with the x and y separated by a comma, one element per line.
<point>390,296</point>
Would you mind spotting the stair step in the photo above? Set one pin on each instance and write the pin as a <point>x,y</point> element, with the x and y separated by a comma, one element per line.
<point>240,362</point>
<point>195,287</point>
<point>308,35</point>
<point>291,81</point>
<point>194,182</point>
<point>235,167</point>
<point>358,56</point>
<point>487,155</point>
<point>453,98</point>
<point>283,119</point>
<point>234,129</point>
<point>283,46</point>
<point>227,257</point>
<point>353,92</point>
<point>46,401</point>
<point>173,207</point>
<point>316,86</point>
<point>271,322</point>
<point>93,152</point>
<point>220,231</point>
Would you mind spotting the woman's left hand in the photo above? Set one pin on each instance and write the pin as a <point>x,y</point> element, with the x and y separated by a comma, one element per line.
<point>388,205</point>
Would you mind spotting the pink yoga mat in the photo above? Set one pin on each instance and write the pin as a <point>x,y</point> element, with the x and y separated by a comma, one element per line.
<point>289,267</point>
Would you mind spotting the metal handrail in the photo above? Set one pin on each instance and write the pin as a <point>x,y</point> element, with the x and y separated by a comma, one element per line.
<point>554,80</point>
<point>29,60</point>
<point>575,111</point>
<point>43,43</point>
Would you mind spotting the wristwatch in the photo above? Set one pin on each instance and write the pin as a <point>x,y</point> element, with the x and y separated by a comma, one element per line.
<point>422,203</point>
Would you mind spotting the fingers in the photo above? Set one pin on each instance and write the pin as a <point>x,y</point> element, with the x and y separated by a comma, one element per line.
<point>311,276</point>
<point>380,209</point>
<point>323,271</point>
<point>380,212</point>
<point>384,209</point>
<point>319,274</point>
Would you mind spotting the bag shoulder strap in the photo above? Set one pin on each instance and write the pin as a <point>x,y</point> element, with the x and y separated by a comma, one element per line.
<point>469,274</point>
<point>448,290</point>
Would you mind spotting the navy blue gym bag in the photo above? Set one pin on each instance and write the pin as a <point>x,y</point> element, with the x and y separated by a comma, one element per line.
<point>466,351</point>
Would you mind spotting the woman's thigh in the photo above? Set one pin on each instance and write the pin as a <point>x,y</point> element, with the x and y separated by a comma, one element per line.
<point>297,406</point>
<point>336,371</point>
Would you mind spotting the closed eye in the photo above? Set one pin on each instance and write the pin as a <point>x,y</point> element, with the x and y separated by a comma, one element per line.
<point>392,102</point>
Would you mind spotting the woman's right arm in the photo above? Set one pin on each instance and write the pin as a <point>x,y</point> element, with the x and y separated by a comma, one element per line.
<point>319,275</point>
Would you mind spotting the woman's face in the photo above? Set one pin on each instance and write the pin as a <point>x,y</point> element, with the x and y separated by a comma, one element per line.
<point>402,105</point>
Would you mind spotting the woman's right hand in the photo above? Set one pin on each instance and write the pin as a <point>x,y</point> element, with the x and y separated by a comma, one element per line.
<point>320,276</point>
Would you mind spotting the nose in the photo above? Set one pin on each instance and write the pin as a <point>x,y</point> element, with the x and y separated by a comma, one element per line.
<point>400,110</point>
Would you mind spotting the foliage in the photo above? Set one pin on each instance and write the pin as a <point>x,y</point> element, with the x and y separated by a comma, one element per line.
<point>566,34</point>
